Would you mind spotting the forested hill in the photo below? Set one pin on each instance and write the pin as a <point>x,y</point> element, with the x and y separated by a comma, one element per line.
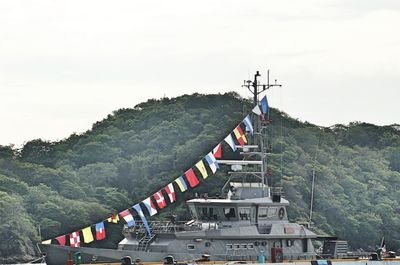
<point>67,185</point>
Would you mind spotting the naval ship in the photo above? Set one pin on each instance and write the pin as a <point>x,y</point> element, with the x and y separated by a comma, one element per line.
<point>247,222</point>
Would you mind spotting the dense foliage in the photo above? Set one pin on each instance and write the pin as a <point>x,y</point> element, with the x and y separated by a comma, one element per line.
<point>67,185</point>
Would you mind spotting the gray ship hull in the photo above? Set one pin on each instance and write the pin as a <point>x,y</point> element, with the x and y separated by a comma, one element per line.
<point>57,255</point>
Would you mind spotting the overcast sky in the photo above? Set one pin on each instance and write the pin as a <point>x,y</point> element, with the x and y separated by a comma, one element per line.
<point>67,64</point>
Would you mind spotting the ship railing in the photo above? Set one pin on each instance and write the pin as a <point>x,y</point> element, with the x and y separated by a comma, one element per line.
<point>298,256</point>
<point>348,255</point>
<point>159,227</point>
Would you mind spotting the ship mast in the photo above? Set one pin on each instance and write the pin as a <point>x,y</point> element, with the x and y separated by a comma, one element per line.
<point>256,88</point>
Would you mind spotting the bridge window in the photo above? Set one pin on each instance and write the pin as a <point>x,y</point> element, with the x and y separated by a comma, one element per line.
<point>243,246</point>
<point>229,213</point>
<point>244,213</point>
<point>236,246</point>
<point>272,212</point>
<point>263,213</point>
<point>208,213</point>
<point>250,246</point>
<point>229,246</point>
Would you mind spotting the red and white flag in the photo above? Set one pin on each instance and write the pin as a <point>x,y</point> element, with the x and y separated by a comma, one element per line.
<point>217,151</point>
<point>169,189</point>
<point>74,240</point>
<point>100,231</point>
<point>159,197</point>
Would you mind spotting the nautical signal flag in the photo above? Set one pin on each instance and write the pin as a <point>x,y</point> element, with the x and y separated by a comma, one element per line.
<point>181,184</point>
<point>113,219</point>
<point>61,240</point>
<point>100,231</point>
<point>159,197</point>
<point>46,242</point>
<point>191,177</point>
<point>240,135</point>
<point>230,142</point>
<point>127,217</point>
<point>150,206</point>
<point>257,110</point>
<point>212,162</point>
<point>217,151</point>
<point>200,166</point>
<point>74,240</point>
<point>249,125</point>
<point>264,105</point>
<point>169,189</point>
<point>87,235</point>
<point>142,217</point>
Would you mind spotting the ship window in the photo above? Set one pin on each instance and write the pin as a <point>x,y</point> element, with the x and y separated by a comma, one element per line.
<point>212,215</point>
<point>229,246</point>
<point>190,247</point>
<point>289,242</point>
<point>244,213</point>
<point>236,246</point>
<point>272,211</point>
<point>229,213</point>
<point>204,213</point>
<point>263,213</point>
<point>243,246</point>
<point>192,211</point>
<point>250,246</point>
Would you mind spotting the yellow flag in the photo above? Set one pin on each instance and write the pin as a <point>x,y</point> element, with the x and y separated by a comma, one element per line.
<point>200,166</point>
<point>46,242</point>
<point>87,235</point>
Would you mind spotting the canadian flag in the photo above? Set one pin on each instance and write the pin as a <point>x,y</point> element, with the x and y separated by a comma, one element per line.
<point>159,197</point>
<point>171,193</point>
<point>74,240</point>
<point>217,151</point>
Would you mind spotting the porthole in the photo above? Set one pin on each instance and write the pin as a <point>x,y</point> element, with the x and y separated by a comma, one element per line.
<point>190,247</point>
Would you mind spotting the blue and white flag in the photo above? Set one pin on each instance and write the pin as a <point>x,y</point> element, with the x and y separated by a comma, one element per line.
<point>150,206</point>
<point>264,105</point>
<point>212,162</point>
<point>249,126</point>
<point>229,140</point>
<point>144,220</point>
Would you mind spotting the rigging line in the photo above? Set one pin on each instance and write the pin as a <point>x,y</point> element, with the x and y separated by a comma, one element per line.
<point>281,136</point>
<point>313,183</point>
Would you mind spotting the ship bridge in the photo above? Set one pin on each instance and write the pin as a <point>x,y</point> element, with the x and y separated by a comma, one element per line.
<point>243,204</point>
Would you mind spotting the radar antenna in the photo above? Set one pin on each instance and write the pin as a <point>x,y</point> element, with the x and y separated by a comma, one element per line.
<point>253,86</point>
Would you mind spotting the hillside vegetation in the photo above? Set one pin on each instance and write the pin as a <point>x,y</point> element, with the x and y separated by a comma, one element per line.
<point>67,185</point>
